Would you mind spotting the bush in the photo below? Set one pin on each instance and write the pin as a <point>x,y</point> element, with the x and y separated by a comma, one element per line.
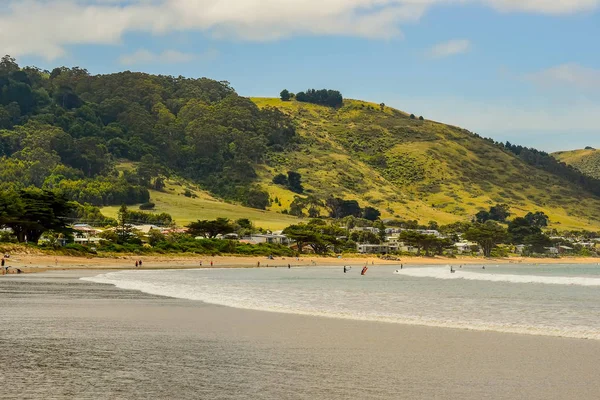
<point>280,179</point>
<point>147,206</point>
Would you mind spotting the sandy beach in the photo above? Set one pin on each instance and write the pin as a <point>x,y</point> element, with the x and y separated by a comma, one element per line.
<point>61,337</point>
<point>39,262</point>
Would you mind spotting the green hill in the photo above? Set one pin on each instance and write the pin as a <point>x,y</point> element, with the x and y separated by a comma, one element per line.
<point>414,169</point>
<point>586,160</point>
<point>198,150</point>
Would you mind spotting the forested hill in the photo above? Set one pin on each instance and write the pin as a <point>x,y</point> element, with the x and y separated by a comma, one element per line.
<point>71,132</point>
<point>65,129</point>
<point>586,160</point>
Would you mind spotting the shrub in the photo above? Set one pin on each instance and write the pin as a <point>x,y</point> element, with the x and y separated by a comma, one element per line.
<point>147,206</point>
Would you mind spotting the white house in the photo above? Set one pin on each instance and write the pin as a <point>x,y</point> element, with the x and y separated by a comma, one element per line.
<point>267,238</point>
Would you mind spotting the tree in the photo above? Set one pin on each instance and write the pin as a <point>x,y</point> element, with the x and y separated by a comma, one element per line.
<point>294,180</point>
<point>7,65</point>
<point>487,235</point>
<point>520,228</point>
<point>285,95</point>
<point>316,234</point>
<point>482,216</point>
<point>538,219</point>
<point>340,208</point>
<point>500,212</point>
<point>412,116</point>
<point>30,213</point>
<point>413,238</point>
<point>537,242</point>
<point>382,106</point>
<point>331,98</point>
<point>257,198</point>
<point>421,118</point>
<point>433,225</point>
<point>371,213</point>
<point>280,179</point>
<point>155,237</point>
<point>210,229</point>
<point>124,229</point>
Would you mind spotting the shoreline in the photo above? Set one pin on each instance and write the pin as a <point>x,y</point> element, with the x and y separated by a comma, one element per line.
<point>127,338</point>
<point>35,263</point>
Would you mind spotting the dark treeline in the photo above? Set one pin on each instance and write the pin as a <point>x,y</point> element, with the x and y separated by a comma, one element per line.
<point>65,129</point>
<point>324,97</point>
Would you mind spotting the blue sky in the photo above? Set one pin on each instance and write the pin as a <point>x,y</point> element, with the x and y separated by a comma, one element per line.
<point>527,71</point>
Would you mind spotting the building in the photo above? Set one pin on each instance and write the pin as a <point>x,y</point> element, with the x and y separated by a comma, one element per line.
<point>84,233</point>
<point>383,248</point>
<point>270,238</point>
<point>465,247</point>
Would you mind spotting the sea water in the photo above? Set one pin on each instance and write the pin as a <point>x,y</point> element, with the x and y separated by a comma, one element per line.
<point>553,300</point>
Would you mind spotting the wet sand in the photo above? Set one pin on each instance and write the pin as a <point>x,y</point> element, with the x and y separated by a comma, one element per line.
<point>65,338</point>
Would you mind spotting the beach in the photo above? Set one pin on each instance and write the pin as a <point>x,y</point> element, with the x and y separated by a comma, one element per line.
<point>62,337</point>
<point>36,261</point>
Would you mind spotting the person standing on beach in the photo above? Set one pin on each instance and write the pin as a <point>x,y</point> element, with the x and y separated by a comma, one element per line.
<point>136,264</point>
<point>3,262</point>
<point>140,263</point>
<point>211,263</point>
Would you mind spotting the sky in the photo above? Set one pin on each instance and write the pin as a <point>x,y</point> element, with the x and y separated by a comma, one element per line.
<point>526,71</point>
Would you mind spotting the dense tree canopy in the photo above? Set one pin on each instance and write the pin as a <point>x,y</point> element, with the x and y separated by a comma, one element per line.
<point>32,212</point>
<point>64,130</point>
<point>324,97</point>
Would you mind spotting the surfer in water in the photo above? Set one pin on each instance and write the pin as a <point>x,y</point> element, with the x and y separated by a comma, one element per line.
<point>452,270</point>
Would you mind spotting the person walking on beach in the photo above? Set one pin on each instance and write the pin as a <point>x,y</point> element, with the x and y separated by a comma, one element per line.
<point>136,264</point>
<point>3,262</point>
<point>211,263</point>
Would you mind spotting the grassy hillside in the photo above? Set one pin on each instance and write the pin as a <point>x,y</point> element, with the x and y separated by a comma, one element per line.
<point>587,160</point>
<point>415,169</point>
<point>203,206</point>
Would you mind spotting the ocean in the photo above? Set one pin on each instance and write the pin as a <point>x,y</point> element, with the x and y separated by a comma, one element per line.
<point>549,300</point>
<point>62,337</point>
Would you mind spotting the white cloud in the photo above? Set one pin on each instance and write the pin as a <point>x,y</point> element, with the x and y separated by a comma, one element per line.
<point>143,56</point>
<point>449,48</point>
<point>572,76</point>
<point>48,27</point>
<point>545,6</point>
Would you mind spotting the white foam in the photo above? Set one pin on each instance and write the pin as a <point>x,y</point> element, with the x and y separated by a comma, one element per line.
<point>461,273</point>
<point>163,283</point>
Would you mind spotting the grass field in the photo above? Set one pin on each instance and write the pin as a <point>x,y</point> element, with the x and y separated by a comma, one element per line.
<point>186,209</point>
